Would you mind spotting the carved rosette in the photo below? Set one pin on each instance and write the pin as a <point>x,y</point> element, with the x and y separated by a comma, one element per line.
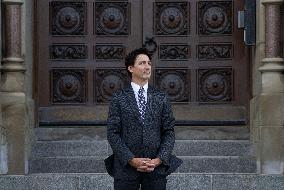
<point>108,52</point>
<point>112,18</point>
<point>68,86</point>
<point>174,52</point>
<point>215,51</point>
<point>215,85</point>
<point>215,17</point>
<point>171,18</point>
<point>175,83</point>
<point>67,18</point>
<point>107,82</point>
<point>68,51</point>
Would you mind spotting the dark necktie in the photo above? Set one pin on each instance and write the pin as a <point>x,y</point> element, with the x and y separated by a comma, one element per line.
<point>141,102</point>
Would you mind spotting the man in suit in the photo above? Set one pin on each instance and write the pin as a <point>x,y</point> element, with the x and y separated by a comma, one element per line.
<point>140,130</point>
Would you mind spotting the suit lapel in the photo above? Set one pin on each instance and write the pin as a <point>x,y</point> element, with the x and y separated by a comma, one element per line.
<point>149,108</point>
<point>132,101</point>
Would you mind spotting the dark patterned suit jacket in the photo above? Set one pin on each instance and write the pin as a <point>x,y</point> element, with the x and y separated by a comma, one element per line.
<point>130,136</point>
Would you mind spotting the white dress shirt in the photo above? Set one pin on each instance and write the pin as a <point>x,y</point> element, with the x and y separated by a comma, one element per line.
<point>136,88</point>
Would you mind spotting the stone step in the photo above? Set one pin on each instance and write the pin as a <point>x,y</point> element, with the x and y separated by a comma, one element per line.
<point>191,164</point>
<point>191,112</point>
<point>217,164</point>
<point>79,164</point>
<point>175,182</point>
<point>71,148</point>
<point>212,148</point>
<point>102,148</point>
<point>239,132</point>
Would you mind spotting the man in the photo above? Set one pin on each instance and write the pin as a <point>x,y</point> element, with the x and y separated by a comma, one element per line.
<point>140,131</point>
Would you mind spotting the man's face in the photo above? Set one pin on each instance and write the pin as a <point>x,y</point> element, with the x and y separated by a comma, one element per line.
<point>141,70</point>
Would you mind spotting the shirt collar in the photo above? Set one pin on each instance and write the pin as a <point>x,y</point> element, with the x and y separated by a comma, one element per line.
<point>136,87</point>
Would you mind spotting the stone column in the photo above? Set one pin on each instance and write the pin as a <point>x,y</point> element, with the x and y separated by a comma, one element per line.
<point>3,141</point>
<point>12,87</point>
<point>271,99</point>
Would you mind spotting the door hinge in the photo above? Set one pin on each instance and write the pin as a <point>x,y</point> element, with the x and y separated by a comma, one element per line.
<point>247,20</point>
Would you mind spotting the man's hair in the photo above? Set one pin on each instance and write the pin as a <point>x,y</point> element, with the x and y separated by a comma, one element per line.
<point>131,57</point>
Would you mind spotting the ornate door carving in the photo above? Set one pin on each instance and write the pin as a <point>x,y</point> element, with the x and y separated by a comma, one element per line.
<point>196,46</point>
<point>200,59</point>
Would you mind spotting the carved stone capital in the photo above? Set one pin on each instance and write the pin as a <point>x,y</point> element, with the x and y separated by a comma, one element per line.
<point>271,2</point>
<point>12,68</point>
<point>13,2</point>
<point>272,77</point>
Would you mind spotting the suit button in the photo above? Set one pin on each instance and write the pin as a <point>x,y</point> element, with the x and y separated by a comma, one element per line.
<point>143,131</point>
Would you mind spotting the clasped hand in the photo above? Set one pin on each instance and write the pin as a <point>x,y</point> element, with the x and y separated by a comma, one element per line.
<point>145,164</point>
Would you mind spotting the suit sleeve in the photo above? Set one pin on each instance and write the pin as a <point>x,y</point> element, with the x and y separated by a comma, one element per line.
<point>114,132</point>
<point>167,132</point>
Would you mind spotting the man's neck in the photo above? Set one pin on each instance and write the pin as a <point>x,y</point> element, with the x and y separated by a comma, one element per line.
<point>140,83</point>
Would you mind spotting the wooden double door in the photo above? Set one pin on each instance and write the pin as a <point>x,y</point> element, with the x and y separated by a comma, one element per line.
<point>199,58</point>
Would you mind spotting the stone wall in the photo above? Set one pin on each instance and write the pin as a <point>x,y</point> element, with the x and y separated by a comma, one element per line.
<point>267,105</point>
<point>16,113</point>
<point>28,43</point>
<point>3,140</point>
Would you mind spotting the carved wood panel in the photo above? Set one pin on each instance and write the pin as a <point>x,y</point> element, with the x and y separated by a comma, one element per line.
<point>197,51</point>
<point>68,51</point>
<point>112,18</point>
<point>174,52</point>
<point>68,86</point>
<point>215,17</point>
<point>107,81</point>
<point>215,85</point>
<point>109,52</point>
<point>171,18</point>
<point>68,18</point>
<point>215,51</point>
<point>176,82</point>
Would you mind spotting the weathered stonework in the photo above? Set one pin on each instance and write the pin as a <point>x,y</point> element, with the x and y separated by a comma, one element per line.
<point>3,147</point>
<point>12,92</point>
<point>267,105</point>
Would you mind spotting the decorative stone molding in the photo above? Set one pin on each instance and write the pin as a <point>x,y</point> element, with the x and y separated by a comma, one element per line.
<point>12,91</point>
<point>13,1</point>
<point>272,1</point>
<point>272,65</point>
<point>267,108</point>
<point>272,68</point>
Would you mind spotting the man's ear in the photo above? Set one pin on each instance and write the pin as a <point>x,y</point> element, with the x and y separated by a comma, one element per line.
<point>130,69</point>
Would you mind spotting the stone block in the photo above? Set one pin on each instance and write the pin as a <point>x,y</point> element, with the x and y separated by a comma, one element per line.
<point>3,159</point>
<point>216,164</point>
<point>75,133</point>
<point>53,182</point>
<point>14,119</point>
<point>97,181</point>
<point>208,113</point>
<point>13,182</point>
<point>67,165</point>
<point>189,182</point>
<point>271,110</point>
<point>270,182</point>
<point>212,148</point>
<point>247,182</point>
<point>212,133</point>
<point>234,182</point>
<point>271,150</point>
<point>70,148</point>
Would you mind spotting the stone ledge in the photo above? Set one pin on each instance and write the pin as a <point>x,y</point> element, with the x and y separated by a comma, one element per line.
<point>175,182</point>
